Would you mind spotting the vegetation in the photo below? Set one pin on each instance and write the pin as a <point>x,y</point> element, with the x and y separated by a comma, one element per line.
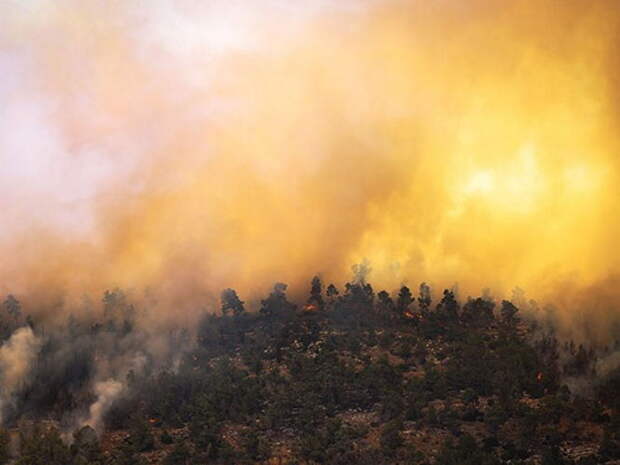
<point>350,377</point>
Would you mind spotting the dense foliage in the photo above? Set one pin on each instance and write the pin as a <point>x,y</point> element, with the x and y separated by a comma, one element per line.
<point>347,378</point>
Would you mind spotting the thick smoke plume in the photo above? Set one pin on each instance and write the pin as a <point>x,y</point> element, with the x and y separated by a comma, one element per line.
<point>150,147</point>
<point>16,357</point>
<point>107,392</point>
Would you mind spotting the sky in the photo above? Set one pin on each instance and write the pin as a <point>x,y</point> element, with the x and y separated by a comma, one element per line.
<point>185,147</point>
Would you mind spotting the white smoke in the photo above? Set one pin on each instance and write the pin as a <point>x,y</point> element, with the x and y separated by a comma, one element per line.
<point>111,388</point>
<point>107,392</point>
<point>16,357</point>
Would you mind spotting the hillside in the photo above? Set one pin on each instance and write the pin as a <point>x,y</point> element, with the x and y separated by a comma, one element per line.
<point>347,378</point>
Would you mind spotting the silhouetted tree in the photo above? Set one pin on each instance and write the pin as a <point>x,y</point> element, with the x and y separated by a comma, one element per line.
<point>277,304</point>
<point>448,306</point>
<point>12,306</point>
<point>386,304</point>
<point>231,302</point>
<point>478,311</point>
<point>316,293</point>
<point>369,293</point>
<point>405,299</point>
<point>332,291</point>
<point>332,295</point>
<point>509,313</point>
<point>356,294</point>
<point>424,299</point>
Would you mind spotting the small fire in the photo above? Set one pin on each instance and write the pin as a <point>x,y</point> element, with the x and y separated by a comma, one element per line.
<point>410,315</point>
<point>539,376</point>
<point>310,308</point>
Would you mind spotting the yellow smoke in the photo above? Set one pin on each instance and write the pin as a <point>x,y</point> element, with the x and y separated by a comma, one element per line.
<point>449,142</point>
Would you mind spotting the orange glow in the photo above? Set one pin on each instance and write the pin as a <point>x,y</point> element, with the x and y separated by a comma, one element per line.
<point>444,142</point>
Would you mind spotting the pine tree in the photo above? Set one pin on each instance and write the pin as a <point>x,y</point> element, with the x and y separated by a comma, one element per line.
<point>509,313</point>
<point>316,294</point>
<point>448,307</point>
<point>12,306</point>
<point>424,300</point>
<point>405,299</point>
<point>231,302</point>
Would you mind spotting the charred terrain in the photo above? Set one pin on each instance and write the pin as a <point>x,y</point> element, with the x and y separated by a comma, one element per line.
<point>349,377</point>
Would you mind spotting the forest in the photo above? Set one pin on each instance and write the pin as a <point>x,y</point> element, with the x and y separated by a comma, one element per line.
<point>348,376</point>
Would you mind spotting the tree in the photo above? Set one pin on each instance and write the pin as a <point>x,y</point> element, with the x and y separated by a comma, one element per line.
<point>332,291</point>
<point>12,306</point>
<point>316,294</point>
<point>448,306</point>
<point>424,300</point>
<point>231,302</point>
<point>43,446</point>
<point>332,295</point>
<point>369,293</point>
<point>509,313</point>
<point>478,312</point>
<point>277,304</point>
<point>405,299</point>
<point>386,304</point>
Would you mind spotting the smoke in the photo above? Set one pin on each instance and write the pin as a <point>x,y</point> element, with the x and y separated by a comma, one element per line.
<point>107,392</point>
<point>16,357</point>
<point>187,147</point>
<point>607,364</point>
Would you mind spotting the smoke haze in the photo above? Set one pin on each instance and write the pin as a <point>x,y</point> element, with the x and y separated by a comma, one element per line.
<point>16,358</point>
<point>186,148</point>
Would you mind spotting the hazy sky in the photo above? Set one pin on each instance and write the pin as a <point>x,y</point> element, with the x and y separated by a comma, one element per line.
<point>189,146</point>
<point>49,173</point>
